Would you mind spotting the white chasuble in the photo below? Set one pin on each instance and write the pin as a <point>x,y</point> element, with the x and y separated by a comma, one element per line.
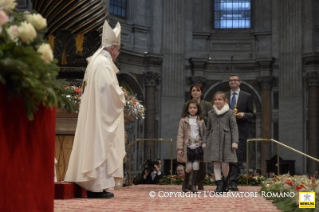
<point>99,146</point>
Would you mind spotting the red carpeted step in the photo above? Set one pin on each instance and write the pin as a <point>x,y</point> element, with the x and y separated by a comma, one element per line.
<point>68,191</point>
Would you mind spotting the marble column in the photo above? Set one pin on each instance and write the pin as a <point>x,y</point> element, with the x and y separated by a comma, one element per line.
<point>151,79</point>
<point>313,120</point>
<point>266,85</point>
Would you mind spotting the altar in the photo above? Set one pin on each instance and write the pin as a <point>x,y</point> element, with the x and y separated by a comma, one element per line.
<point>65,130</point>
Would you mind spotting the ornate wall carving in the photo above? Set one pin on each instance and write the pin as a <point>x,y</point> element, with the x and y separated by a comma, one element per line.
<point>80,17</point>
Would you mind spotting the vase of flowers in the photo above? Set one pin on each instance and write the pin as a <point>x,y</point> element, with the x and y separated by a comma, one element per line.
<point>29,93</point>
<point>133,107</point>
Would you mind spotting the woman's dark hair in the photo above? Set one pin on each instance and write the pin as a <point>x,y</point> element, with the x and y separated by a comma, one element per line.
<point>199,86</point>
<point>185,110</point>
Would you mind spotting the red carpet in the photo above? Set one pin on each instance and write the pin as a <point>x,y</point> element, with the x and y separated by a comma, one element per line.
<point>137,198</point>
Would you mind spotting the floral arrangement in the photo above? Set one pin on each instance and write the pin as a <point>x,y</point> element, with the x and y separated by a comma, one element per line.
<point>212,178</point>
<point>27,67</point>
<point>253,181</point>
<point>133,105</point>
<point>295,184</point>
<point>74,95</point>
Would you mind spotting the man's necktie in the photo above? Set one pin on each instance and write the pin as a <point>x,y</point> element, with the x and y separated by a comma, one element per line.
<point>233,101</point>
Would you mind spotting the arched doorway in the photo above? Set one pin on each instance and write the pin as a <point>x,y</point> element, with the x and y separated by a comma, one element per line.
<point>134,129</point>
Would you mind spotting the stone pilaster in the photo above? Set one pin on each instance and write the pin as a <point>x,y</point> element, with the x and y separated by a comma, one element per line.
<point>291,105</point>
<point>312,79</point>
<point>174,32</point>
<point>151,79</point>
<point>266,85</point>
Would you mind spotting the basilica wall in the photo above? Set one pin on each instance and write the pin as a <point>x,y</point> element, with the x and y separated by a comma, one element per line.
<point>167,45</point>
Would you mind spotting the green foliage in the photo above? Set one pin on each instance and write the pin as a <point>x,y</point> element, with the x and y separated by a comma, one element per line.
<point>293,184</point>
<point>25,73</point>
<point>252,181</point>
<point>166,180</point>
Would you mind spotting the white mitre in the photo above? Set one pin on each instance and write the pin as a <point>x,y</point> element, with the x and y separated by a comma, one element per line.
<point>111,36</point>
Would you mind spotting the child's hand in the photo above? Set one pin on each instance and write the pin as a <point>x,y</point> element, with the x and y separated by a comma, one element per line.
<point>180,152</point>
<point>234,145</point>
<point>204,147</point>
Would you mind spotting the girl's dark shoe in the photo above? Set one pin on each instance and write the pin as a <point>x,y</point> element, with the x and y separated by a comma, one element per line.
<point>225,184</point>
<point>195,175</point>
<point>185,183</point>
<point>219,187</point>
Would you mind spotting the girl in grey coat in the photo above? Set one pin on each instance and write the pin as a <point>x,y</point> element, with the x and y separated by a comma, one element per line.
<point>221,139</point>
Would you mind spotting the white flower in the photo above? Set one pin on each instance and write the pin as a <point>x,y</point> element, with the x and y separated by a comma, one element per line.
<point>3,19</point>
<point>7,5</point>
<point>27,32</point>
<point>46,51</point>
<point>36,20</point>
<point>13,33</point>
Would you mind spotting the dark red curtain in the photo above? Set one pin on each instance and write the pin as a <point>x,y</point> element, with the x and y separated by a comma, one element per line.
<point>26,157</point>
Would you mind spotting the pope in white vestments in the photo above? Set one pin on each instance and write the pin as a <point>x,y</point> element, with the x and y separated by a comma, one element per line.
<point>96,161</point>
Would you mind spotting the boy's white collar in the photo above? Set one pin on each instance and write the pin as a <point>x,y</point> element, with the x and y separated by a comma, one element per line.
<point>221,111</point>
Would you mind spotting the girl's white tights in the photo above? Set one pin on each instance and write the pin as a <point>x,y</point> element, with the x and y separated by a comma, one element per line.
<point>192,165</point>
<point>217,171</point>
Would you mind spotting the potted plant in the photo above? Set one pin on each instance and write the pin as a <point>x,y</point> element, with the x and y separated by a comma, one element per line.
<point>29,92</point>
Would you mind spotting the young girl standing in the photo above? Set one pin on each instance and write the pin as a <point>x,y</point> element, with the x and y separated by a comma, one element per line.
<point>189,140</point>
<point>221,139</point>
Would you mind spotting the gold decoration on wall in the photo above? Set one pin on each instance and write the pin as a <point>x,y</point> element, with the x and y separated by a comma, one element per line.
<point>51,41</point>
<point>78,16</point>
<point>63,59</point>
<point>79,43</point>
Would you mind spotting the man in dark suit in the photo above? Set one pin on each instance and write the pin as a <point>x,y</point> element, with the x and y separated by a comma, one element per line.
<point>151,173</point>
<point>244,105</point>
